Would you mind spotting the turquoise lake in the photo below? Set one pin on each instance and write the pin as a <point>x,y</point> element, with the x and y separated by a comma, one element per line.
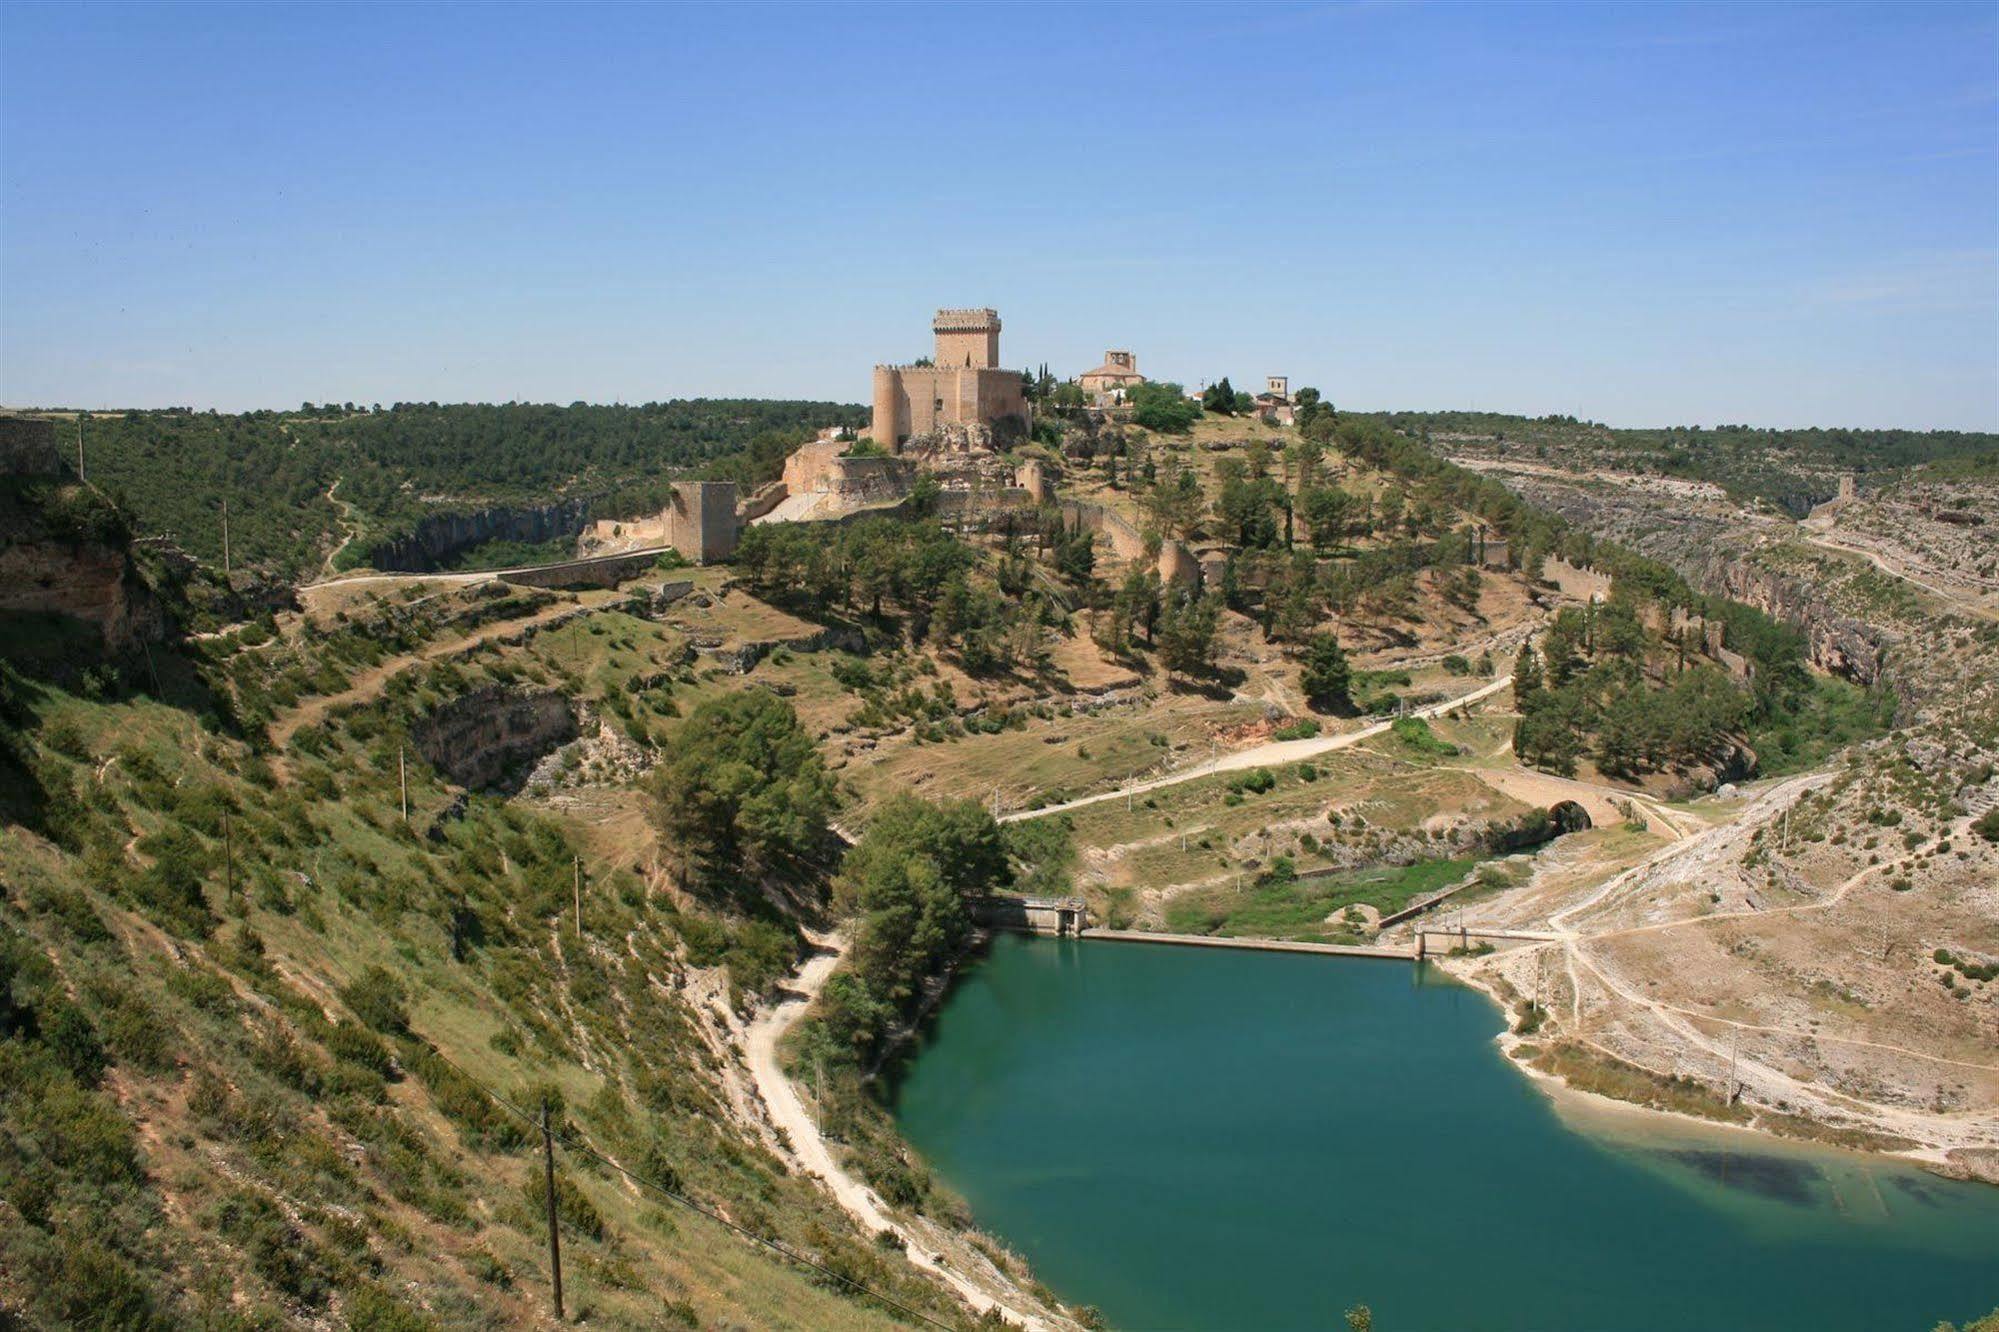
<point>1202,1138</point>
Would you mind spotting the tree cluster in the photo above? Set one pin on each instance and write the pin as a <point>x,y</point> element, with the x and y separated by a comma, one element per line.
<point>744,793</point>
<point>1603,687</point>
<point>907,886</point>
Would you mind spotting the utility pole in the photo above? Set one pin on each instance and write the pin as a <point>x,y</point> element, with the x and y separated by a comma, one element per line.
<point>548,1181</point>
<point>576,888</point>
<point>403,778</point>
<point>1734,1044</point>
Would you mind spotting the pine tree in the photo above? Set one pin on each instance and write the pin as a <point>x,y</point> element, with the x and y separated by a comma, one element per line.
<point>1328,679</point>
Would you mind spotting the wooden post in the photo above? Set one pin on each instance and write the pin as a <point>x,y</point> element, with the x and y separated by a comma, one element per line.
<point>548,1181</point>
<point>576,888</point>
<point>403,778</point>
<point>1734,1044</point>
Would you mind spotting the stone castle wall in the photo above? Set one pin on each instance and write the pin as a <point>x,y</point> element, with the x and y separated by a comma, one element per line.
<point>819,469</point>
<point>911,401</point>
<point>701,520</point>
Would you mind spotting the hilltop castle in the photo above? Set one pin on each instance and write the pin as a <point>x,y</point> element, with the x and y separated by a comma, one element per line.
<point>964,387</point>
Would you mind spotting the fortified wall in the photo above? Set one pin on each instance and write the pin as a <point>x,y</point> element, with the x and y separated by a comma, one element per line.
<point>699,520</point>
<point>819,468</point>
<point>1174,562</point>
<point>966,386</point>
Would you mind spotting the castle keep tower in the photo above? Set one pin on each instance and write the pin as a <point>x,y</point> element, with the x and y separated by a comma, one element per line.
<point>967,339</point>
<point>965,393</point>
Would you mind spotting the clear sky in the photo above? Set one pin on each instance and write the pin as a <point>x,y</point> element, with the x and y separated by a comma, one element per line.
<point>1782,215</point>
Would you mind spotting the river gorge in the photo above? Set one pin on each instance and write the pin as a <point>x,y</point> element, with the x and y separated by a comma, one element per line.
<point>1196,1138</point>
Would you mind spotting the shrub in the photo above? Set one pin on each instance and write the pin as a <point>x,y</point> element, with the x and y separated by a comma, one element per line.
<point>1255,782</point>
<point>378,999</point>
<point>572,1206</point>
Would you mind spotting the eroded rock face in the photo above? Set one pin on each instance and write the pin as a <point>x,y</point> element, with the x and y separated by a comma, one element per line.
<point>85,580</point>
<point>1715,555</point>
<point>439,537</point>
<point>491,737</point>
<point>1834,643</point>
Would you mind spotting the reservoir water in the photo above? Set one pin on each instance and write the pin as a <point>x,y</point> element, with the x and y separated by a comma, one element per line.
<point>1201,1138</point>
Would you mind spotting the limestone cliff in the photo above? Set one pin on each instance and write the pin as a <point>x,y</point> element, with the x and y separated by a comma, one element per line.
<point>437,538</point>
<point>492,736</point>
<point>66,550</point>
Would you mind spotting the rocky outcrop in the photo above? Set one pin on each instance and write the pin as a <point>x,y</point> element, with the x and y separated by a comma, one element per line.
<point>437,538</point>
<point>1714,555</point>
<point>492,737</point>
<point>85,580</point>
<point>66,550</point>
<point>742,658</point>
<point>1834,642</point>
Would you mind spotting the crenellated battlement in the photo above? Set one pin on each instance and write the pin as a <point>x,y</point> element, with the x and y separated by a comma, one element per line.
<point>981,320</point>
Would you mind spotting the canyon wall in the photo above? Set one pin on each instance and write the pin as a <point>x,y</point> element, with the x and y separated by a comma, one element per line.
<point>84,580</point>
<point>437,538</point>
<point>491,737</point>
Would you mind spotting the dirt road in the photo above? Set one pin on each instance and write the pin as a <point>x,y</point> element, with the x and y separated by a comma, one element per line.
<point>788,1113</point>
<point>1962,599</point>
<point>1270,754</point>
<point>367,684</point>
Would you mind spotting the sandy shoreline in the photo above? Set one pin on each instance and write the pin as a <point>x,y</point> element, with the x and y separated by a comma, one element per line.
<point>1578,1103</point>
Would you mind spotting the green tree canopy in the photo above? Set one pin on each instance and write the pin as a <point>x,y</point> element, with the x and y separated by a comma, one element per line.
<point>745,793</point>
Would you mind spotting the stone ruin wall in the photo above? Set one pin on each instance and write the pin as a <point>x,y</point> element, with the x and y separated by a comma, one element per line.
<point>819,469</point>
<point>1174,563</point>
<point>700,521</point>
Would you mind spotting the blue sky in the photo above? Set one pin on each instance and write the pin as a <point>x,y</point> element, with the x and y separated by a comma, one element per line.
<point>1782,215</point>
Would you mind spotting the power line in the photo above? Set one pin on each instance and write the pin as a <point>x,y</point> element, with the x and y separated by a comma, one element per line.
<point>576,1143</point>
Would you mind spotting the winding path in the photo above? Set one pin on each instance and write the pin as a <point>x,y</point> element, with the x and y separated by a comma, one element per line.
<point>1270,754</point>
<point>788,1113</point>
<point>1959,599</point>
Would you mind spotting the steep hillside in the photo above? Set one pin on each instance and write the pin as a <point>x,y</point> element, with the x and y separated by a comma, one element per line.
<point>301,485</point>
